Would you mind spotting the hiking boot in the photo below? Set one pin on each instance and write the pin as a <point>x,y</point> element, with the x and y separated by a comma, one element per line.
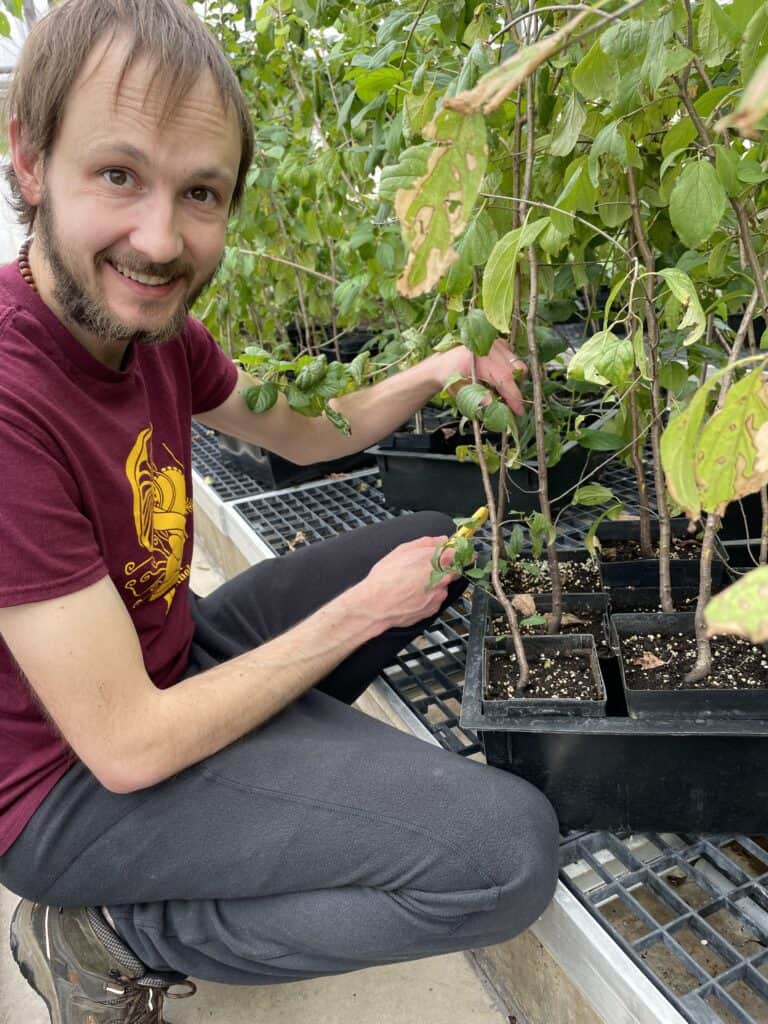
<point>84,971</point>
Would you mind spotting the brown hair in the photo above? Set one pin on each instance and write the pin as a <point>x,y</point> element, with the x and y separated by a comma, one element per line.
<point>166,31</point>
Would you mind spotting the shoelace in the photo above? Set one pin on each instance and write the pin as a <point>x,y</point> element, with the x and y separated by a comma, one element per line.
<point>143,998</point>
<point>140,992</point>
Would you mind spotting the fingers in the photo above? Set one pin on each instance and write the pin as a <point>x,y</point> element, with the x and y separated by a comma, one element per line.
<point>502,369</point>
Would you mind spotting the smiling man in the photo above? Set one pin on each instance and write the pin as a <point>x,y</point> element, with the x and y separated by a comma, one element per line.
<point>184,788</point>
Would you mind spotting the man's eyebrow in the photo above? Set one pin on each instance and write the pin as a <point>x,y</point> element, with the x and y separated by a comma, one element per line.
<point>133,153</point>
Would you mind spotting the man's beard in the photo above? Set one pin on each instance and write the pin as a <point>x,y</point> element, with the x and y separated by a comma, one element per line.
<point>80,309</point>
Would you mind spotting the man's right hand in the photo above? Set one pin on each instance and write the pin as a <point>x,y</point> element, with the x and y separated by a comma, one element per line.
<point>397,588</point>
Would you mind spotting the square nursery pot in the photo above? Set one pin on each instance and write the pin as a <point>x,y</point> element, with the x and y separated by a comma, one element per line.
<point>421,472</point>
<point>275,471</point>
<point>694,702</point>
<point>634,584</point>
<point>609,773</point>
<point>483,649</point>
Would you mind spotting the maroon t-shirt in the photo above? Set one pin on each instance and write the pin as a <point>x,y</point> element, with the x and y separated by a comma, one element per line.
<point>94,480</point>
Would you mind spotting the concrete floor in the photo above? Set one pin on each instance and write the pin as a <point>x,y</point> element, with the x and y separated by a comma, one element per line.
<point>440,990</point>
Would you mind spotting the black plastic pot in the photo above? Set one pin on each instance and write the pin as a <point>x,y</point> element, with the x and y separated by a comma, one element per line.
<point>635,585</point>
<point>482,648</point>
<point>740,556</point>
<point>742,519</point>
<point>277,472</point>
<point>689,702</point>
<point>416,478</point>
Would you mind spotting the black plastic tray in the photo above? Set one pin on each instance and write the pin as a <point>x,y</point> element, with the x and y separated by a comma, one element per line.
<point>671,774</point>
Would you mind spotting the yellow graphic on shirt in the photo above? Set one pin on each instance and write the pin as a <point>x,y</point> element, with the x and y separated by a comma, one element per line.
<point>160,510</point>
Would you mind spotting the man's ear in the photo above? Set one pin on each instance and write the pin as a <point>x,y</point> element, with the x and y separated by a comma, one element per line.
<point>27,164</point>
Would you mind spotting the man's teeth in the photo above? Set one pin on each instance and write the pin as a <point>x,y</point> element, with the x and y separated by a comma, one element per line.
<point>134,275</point>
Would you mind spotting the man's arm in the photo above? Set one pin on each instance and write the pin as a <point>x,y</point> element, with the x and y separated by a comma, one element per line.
<point>82,656</point>
<point>373,412</point>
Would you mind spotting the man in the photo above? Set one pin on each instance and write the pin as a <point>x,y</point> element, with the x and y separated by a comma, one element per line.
<point>184,788</point>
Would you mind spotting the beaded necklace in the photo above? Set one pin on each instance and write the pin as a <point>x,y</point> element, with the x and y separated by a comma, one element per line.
<point>24,268</point>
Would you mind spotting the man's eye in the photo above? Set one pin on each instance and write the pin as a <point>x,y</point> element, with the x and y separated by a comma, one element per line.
<point>115,176</point>
<point>202,195</point>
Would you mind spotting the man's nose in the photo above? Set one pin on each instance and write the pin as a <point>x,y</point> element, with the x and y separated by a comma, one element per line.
<point>156,233</point>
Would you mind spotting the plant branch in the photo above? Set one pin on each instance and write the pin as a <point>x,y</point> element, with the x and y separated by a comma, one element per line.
<point>292,264</point>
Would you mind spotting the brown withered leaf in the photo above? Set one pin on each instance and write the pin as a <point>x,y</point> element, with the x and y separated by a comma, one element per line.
<point>649,661</point>
<point>569,619</point>
<point>524,604</point>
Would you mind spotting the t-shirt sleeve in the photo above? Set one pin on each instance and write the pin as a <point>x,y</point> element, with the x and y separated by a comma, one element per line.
<point>48,547</point>
<point>213,374</point>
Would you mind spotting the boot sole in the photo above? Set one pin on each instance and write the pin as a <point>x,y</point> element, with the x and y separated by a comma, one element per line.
<point>35,969</point>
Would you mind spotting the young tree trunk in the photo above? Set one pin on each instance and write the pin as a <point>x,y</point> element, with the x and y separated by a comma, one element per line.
<point>652,327</point>
<point>638,464</point>
<point>703,665</point>
<point>554,620</point>
<point>498,589</point>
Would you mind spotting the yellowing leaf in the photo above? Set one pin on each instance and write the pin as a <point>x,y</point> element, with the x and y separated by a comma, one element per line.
<point>726,465</point>
<point>434,208</point>
<point>742,608</point>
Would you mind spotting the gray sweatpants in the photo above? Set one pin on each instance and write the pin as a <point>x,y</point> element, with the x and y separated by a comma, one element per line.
<point>322,842</point>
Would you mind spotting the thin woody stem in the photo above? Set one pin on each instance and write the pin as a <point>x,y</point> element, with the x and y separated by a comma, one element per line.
<point>652,326</point>
<point>703,665</point>
<point>498,589</point>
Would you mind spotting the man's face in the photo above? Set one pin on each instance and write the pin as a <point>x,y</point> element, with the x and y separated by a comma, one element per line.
<point>133,213</point>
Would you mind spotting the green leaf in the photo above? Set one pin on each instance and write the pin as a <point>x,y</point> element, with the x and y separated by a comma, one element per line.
<point>717,34</point>
<point>742,608</point>
<point>568,126</point>
<point>755,44</point>
<point>600,440</point>
<point>727,466</point>
<point>679,136</point>
<point>371,84</point>
<point>726,165</point>
<point>514,545</point>
<point>596,76</point>
<point>470,400</point>
<point>498,417</point>
<point>578,194</point>
<point>499,277</point>
<point>655,67</point>
<point>697,203</point>
<point>625,40</point>
<point>261,397</point>
<point>683,289</point>
<point>592,494</point>
<point>337,419</point>
<point>750,171</point>
<point>603,359</point>
<point>609,141</point>
<point>5,25</point>
<point>673,377</point>
<point>412,164</point>
<point>434,208</point>
<point>311,373</point>
<point>476,333</point>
